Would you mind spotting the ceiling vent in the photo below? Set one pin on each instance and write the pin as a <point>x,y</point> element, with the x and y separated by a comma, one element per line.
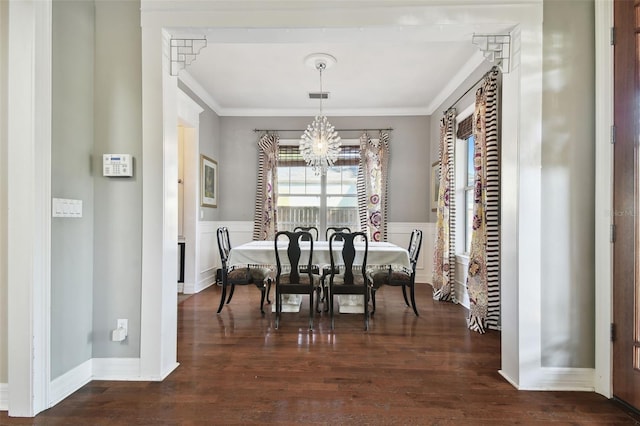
<point>318,95</point>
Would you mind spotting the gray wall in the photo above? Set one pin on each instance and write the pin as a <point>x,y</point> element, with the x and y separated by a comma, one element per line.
<point>568,182</point>
<point>118,201</point>
<point>4,37</point>
<point>209,141</point>
<point>409,166</point>
<point>71,177</point>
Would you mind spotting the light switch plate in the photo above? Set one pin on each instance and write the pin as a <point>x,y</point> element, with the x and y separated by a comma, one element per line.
<point>63,207</point>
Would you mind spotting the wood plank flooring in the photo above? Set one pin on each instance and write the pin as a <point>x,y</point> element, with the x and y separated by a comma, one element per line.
<point>236,369</point>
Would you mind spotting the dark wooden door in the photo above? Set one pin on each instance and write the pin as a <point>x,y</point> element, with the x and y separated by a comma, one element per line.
<point>626,291</point>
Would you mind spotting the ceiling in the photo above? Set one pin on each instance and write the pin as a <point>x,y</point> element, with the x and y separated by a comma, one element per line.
<point>399,70</point>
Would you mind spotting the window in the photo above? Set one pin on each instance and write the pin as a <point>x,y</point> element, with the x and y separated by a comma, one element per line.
<point>468,193</point>
<point>465,176</point>
<point>305,199</point>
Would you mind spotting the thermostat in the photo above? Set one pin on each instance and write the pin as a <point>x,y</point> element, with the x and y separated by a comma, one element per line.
<point>117,165</point>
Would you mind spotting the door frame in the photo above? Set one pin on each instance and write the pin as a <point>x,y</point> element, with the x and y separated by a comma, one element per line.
<point>521,346</point>
<point>603,198</point>
<point>189,116</point>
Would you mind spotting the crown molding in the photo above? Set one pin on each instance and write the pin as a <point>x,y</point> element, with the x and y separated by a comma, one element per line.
<point>456,81</point>
<point>199,91</point>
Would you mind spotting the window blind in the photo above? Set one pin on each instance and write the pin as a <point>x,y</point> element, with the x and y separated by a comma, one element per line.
<point>465,128</point>
<point>289,155</point>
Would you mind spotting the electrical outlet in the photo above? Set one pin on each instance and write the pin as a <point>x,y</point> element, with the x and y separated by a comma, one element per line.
<point>124,323</point>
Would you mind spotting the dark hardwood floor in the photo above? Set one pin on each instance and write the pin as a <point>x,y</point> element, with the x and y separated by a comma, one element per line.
<point>235,368</point>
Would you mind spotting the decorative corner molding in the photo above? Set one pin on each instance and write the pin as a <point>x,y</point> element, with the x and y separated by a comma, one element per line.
<point>496,48</point>
<point>183,51</point>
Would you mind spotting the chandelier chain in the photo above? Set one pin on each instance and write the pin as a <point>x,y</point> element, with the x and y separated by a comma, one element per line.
<point>321,67</point>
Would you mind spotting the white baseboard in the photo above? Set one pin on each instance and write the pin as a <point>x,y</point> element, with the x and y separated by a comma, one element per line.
<point>124,369</point>
<point>188,288</point>
<point>63,386</point>
<point>4,396</point>
<point>191,288</point>
<point>116,369</point>
<point>555,379</point>
<point>206,281</point>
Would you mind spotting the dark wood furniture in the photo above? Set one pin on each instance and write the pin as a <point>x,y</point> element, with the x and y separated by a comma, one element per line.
<point>295,278</point>
<point>240,275</point>
<point>346,276</point>
<point>400,276</point>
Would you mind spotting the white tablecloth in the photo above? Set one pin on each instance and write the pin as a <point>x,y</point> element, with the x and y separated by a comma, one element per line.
<point>263,253</point>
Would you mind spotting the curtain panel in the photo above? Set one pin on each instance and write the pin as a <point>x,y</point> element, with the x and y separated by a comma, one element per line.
<point>444,256</point>
<point>372,185</point>
<point>265,224</point>
<point>483,280</point>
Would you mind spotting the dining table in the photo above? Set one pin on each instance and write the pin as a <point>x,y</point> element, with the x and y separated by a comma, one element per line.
<point>380,254</point>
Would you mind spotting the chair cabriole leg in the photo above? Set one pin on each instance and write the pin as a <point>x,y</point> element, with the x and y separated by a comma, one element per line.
<point>222,296</point>
<point>413,300</point>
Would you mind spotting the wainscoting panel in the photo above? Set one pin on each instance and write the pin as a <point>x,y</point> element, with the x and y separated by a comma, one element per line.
<point>207,258</point>
<point>462,271</point>
<point>399,233</point>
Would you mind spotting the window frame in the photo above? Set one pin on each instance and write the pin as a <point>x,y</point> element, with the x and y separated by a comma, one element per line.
<point>461,188</point>
<point>323,195</point>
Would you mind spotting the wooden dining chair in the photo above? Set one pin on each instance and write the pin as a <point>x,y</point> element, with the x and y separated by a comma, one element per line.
<point>315,234</point>
<point>400,276</point>
<point>296,278</point>
<point>311,229</point>
<point>233,275</point>
<point>333,229</point>
<point>346,277</point>
<point>326,269</point>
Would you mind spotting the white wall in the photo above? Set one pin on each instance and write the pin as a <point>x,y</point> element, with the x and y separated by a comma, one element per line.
<point>568,182</point>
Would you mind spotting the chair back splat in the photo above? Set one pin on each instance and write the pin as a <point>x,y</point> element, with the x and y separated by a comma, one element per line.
<point>333,229</point>
<point>348,276</point>
<point>311,229</point>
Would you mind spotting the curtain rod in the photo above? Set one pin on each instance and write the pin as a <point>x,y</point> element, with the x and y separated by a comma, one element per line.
<point>337,130</point>
<point>493,68</point>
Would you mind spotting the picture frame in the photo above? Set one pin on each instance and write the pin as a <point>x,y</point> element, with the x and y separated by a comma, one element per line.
<point>208,182</point>
<point>435,185</point>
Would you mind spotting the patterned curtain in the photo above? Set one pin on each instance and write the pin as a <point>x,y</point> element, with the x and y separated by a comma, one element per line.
<point>265,224</point>
<point>444,255</point>
<point>372,186</point>
<point>483,281</point>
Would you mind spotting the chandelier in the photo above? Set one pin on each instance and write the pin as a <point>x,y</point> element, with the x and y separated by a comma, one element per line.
<point>320,143</point>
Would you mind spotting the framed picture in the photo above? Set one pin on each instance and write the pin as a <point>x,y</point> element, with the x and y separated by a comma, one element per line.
<point>435,185</point>
<point>208,182</point>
